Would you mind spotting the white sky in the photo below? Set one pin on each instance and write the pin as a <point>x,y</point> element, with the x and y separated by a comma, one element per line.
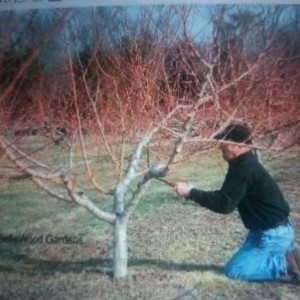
<point>34,4</point>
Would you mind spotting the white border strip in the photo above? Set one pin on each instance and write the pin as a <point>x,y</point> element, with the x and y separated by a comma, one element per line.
<point>40,4</point>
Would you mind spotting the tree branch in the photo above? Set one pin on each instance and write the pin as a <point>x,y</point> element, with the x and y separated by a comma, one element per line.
<point>80,128</point>
<point>81,199</point>
<point>50,191</point>
<point>24,167</point>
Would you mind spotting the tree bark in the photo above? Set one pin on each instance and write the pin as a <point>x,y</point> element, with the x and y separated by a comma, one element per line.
<point>120,268</point>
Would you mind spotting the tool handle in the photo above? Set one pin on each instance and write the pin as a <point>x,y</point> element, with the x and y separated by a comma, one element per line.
<point>169,183</point>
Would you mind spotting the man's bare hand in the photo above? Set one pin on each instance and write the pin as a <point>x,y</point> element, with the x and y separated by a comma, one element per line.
<point>182,189</point>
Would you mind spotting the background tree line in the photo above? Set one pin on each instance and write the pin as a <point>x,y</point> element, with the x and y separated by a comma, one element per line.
<point>131,66</point>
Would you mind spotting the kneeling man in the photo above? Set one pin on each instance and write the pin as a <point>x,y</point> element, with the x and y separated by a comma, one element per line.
<point>268,252</point>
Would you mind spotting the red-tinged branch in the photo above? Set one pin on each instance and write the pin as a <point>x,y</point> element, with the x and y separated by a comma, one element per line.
<point>79,122</point>
<point>99,123</point>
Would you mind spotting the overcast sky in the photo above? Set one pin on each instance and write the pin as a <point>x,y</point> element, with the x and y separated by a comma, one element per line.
<point>33,4</point>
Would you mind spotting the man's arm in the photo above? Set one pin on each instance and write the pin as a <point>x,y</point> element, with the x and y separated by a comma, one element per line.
<point>222,201</point>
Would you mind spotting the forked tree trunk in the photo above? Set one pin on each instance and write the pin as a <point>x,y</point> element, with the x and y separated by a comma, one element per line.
<point>120,249</point>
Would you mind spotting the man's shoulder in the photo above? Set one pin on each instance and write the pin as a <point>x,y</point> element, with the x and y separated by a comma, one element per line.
<point>246,165</point>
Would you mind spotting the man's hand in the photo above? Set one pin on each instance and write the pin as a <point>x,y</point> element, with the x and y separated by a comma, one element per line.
<point>182,189</point>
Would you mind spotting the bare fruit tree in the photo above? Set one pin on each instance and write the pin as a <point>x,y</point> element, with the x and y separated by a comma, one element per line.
<point>126,115</point>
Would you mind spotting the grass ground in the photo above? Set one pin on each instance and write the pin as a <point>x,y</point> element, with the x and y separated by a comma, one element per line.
<point>176,250</point>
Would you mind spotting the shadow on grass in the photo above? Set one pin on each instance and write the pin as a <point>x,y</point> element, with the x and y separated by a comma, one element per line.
<point>21,264</point>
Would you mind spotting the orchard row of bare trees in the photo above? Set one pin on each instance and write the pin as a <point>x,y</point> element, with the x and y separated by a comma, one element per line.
<point>116,95</point>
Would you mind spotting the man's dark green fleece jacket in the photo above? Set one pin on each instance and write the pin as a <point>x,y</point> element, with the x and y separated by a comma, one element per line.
<point>249,188</point>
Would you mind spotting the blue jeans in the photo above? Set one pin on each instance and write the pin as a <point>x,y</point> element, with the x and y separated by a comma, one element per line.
<point>262,256</point>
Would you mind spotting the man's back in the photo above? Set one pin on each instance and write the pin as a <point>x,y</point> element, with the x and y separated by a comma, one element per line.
<point>262,206</point>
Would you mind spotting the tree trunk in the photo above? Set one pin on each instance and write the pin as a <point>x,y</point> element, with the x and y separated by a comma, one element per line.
<point>120,249</point>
